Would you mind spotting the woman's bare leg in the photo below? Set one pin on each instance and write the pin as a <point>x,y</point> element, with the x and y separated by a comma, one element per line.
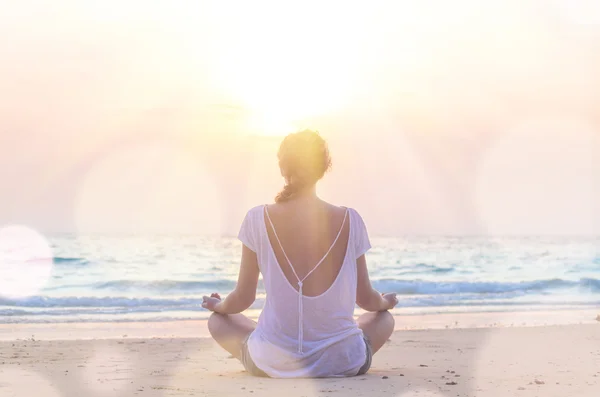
<point>230,330</point>
<point>377,327</point>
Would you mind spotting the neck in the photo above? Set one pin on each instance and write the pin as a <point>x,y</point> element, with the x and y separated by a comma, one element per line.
<point>308,193</point>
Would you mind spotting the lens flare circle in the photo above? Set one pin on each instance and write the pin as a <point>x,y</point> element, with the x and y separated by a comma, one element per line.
<point>26,261</point>
<point>538,179</point>
<point>151,186</point>
<point>20,382</point>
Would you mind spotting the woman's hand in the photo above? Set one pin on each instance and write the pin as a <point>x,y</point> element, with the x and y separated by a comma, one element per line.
<point>209,302</point>
<point>390,300</point>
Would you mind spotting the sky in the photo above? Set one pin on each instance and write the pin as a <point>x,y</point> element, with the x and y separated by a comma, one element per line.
<point>452,118</point>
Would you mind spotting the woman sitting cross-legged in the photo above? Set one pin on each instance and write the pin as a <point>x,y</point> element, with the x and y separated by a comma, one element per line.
<point>311,255</point>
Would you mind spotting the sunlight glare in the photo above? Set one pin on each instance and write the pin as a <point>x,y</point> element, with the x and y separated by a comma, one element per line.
<point>272,124</point>
<point>287,69</point>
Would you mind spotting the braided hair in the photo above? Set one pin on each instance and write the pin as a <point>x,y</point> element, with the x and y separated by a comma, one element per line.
<point>304,159</point>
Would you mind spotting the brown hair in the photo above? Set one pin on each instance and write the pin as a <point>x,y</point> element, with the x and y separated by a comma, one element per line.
<point>303,159</point>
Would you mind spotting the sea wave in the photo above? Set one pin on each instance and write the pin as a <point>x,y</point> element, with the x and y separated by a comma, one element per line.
<point>425,291</point>
<point>153,286</point>
<point>166,285</point>
<point>403,287</point>
<point>90,311</point>
<point>424,287</point>
<point>191,311</point>
<point>58,260</point>
<point>423,269</point>
<point>77,301</point>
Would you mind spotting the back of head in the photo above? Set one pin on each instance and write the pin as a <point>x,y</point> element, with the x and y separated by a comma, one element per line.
<point>303,159</point>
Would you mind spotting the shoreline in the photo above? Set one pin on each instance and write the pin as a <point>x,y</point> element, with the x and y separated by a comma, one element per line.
<point>191,329</point>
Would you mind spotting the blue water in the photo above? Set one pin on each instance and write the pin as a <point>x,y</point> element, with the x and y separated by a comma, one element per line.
<point>103,278</point>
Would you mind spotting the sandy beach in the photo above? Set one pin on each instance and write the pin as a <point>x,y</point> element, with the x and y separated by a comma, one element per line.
<point>554,360</point>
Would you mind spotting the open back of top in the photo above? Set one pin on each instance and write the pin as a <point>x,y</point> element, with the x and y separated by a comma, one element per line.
<point>300,281</point>
<point>299,335</point>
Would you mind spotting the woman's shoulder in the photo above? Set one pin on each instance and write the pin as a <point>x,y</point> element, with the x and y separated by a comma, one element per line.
<point>353,214</point>
<point>342,209</point>
<point>255,211</point>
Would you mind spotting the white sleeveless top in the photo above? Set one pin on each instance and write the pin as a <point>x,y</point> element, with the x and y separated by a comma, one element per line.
<point>302,336</point>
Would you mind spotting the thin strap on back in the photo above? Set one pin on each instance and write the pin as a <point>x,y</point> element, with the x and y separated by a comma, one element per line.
<point>279,242</point>
<point>324,256</point>
<point>330,248</point>
<point>300,281</point>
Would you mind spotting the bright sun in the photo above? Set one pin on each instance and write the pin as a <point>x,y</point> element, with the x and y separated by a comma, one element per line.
<point>283,73</point>
<point>286,65</point>
<point>271,123</point>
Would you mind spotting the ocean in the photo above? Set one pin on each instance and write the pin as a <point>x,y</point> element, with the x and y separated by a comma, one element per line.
<point>163,278</point>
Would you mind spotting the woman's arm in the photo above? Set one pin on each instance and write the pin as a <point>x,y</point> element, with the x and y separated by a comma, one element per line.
<point>244,294</point>
<point>367,297</point>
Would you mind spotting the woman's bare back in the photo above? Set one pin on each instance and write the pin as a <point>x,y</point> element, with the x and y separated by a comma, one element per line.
<point>306,232</point>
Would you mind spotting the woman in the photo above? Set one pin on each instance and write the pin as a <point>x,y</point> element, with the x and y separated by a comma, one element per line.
<point>311,256</point>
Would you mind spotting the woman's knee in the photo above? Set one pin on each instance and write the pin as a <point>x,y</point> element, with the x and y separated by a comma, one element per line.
<point>215,322</point>
<point>389,318</point>
<point>385,322</point>
<point>390,322</point>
